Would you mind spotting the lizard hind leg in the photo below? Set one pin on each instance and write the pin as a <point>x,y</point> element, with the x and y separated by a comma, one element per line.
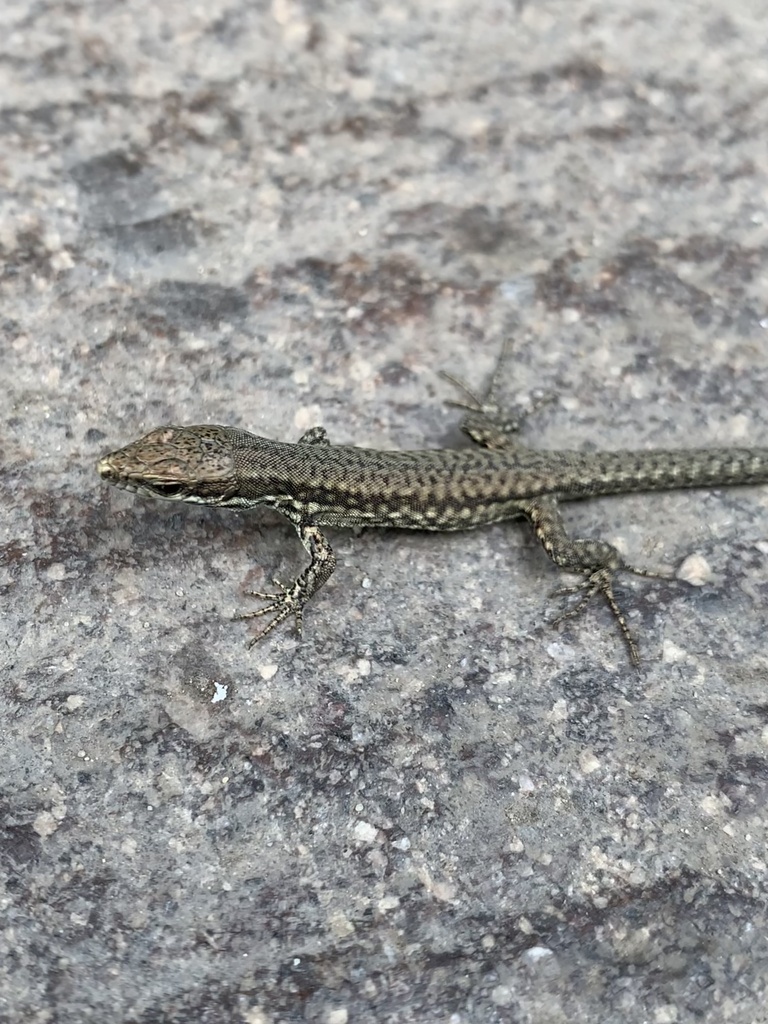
<point>595,560</point>
<point>599,581</point>
<point>483,420</point>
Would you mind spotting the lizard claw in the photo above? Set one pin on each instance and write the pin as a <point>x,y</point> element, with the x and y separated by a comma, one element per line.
<point>600,580</point>
<point>281,605</point>
<point>290,600</point>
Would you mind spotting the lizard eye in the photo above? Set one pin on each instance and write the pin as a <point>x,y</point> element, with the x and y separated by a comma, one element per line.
<point>168,490</point>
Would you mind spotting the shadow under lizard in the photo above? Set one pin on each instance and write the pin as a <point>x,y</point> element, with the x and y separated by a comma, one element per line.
<point>314,483</point>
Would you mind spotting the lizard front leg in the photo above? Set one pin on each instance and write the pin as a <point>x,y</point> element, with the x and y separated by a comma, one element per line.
<point>290,600</point>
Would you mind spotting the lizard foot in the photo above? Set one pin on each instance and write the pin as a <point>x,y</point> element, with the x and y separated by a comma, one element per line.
<point>283,604</point>
<point>600,581</point>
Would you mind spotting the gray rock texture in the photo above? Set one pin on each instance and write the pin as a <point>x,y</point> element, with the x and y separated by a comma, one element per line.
<point>433,807</point>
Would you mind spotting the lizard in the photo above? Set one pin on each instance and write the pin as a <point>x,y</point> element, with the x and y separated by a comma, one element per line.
<point>314,483</point>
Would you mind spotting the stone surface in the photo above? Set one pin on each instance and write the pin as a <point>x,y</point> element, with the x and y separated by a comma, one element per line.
<point>433,807</point>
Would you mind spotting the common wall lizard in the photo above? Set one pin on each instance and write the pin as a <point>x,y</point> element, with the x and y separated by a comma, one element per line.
<point>314,483</point>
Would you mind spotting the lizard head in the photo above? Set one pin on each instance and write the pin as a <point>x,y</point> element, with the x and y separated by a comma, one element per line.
<point>177,463</point>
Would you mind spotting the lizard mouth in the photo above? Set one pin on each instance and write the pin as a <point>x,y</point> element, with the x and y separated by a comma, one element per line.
<point>172,490</point>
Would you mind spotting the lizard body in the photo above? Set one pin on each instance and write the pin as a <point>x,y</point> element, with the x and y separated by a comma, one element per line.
<point>314,483</point>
